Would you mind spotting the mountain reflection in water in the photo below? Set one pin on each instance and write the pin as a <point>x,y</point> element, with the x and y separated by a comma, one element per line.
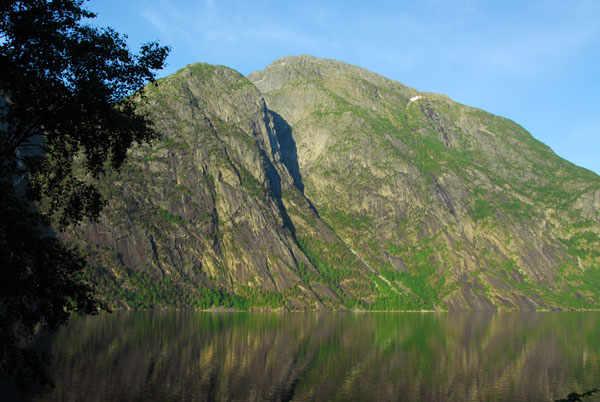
<point>176,356</point>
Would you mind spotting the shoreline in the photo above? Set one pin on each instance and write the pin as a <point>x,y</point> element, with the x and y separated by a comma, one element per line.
<point>231,310</point>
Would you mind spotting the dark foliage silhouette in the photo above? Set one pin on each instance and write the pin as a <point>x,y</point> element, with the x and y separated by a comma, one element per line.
<point>574,396</point>
<point>65,115</point>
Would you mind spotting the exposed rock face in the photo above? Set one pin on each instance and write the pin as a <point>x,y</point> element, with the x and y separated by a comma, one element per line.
<point>400,174</point>
<point>318,185</point>
<point>202,209</point>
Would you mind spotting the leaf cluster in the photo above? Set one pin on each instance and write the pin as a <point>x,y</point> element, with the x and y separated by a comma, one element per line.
<point>40,286</point>
<point>65,89</point>
<point>67,111</point>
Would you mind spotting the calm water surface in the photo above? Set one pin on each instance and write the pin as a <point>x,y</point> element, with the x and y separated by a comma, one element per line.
<point>172,356</point>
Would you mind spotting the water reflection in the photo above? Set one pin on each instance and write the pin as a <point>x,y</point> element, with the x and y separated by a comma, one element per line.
<point>169,356</point>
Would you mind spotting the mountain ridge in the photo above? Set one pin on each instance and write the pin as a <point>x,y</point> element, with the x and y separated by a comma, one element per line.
<point>314,184</point>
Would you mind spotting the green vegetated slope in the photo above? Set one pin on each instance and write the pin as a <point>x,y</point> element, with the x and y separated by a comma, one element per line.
<point>460,207</point>
<point>318,185</point>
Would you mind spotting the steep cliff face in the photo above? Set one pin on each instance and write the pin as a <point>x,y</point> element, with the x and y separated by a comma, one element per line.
<point>464,208</point>
<point>197,219</point>
<point>342,190</point>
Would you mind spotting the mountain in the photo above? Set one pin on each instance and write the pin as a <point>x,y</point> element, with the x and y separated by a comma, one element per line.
<point>314,184</point>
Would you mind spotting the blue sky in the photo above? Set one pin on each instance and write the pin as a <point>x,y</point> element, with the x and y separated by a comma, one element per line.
<point>535,62</point>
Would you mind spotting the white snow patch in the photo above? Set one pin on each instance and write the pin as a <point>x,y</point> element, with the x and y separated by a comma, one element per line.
<point>414,98</point>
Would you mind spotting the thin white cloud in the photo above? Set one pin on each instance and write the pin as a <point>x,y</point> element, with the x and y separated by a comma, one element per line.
<point>153,18</point>
<point>537,51</point>
<point>223,24</point>
<point>168,18</point>
<point>283,36</point>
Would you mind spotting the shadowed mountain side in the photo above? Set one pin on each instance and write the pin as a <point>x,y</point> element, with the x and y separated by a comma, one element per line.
<point>289,153</point>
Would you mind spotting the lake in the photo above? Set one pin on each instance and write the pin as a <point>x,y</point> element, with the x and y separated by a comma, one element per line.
<point>190,356</point>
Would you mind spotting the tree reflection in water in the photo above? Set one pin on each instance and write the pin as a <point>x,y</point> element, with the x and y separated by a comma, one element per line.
<point>326,356</point>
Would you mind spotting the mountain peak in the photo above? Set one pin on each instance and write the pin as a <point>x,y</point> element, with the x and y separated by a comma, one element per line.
<point>306,68</point>
<point>315,184</point>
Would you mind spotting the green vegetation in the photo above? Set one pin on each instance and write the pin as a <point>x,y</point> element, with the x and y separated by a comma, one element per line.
<point>252,186</point>
<point>202,71</point>
<point>405,205</point>
<point>169,217</point>
<point>583,244</point>
<point>338,219</point>
<point>141,290</point>
<point>392,298</point>
<point>328,274</point>
<point>305,274</point>
<point>243,82</point>
<point>487,207</point>
<point>482,209</point>
<point>421,279</point>
<point>172,144</point>
<point>572,288</point>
